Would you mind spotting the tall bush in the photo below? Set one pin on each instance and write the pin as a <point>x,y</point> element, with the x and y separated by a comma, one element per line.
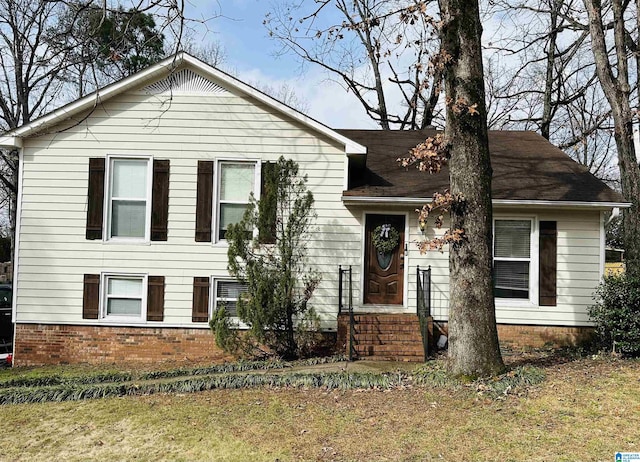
<point>616,314</point>
<point>272,262</point>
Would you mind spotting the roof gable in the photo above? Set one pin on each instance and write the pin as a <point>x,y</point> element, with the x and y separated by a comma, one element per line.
<point>189,74</point>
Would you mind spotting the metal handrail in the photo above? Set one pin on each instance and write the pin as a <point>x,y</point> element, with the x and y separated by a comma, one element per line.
<point>423,305</point>
<point>352,331</point>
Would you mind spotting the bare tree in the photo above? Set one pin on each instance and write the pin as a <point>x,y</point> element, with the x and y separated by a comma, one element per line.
<point>378,48</point>
<point>550,83</point>
<point>614,75</point>
<point>214,54</point>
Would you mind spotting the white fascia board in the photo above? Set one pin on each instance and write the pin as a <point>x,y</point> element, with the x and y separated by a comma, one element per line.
<point>498,203</point>
<point>351,147</point>
<point>10,142</point>
<point>561,204</point>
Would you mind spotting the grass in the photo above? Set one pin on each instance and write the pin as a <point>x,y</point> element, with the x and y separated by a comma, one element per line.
<point>585,409</point>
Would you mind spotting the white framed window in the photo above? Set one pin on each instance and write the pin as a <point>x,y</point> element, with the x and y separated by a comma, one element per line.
<point>235,182</point>
<point>226,293</point>
<point>513,258</point>
<point>124,297</point>
<point>129,198</point>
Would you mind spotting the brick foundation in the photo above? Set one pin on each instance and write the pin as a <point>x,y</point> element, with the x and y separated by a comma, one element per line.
<point>528,336</point>
<point>39,344</point>
<point>510,335</point>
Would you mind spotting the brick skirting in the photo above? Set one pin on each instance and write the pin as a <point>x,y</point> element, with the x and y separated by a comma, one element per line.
<point>530,336</point>
<point>39,344</point>
<point>510,335</point>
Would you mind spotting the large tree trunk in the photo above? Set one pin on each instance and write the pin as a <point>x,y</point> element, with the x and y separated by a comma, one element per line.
<point>617,90</point>
<point>473,337</point>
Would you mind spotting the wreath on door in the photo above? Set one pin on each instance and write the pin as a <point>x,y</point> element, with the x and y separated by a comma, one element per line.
<point>385,238</point>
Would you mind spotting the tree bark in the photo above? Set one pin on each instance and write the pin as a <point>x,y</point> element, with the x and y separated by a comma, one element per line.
<point>547,111</point>
<point>473,338</point>
<point>617,91</point>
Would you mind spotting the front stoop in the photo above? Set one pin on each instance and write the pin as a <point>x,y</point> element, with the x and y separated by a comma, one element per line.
<point>383,337</point>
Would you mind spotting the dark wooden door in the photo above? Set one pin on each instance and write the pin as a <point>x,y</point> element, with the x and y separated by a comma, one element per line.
<point>383,272</point>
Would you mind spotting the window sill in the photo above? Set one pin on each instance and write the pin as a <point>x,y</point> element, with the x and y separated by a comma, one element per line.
<point>515,303</point>
<point>122,320</point>
<point>126,241</point>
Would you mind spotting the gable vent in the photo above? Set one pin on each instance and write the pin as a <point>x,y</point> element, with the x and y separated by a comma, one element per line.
<point>185,81</point>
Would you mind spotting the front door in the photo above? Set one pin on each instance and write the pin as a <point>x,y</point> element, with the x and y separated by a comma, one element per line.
<point>384,269</point>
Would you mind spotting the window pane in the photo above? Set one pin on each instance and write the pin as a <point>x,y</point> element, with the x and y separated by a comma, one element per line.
<point>124,287</point>
<point>511,279</point>
<point>128,218</point>
<point>123,307</point>
<point>227,294</point>
<point>236,181</point>
<point>512,238</point>
<point>230,213</point>
<point>129,178</point>
<point>229,289</point>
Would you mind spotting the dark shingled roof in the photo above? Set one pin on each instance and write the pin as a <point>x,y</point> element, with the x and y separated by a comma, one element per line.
<point>525,167</point>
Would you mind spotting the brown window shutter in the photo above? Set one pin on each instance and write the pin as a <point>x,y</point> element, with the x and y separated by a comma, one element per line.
<point>91,297</point>
<point>268,203</point>
<point>95,198</point>
<point>548,262</point>
<point>204,201</point>
<point>160,200</point>
<point>155,298</point>
<point>200,312</point>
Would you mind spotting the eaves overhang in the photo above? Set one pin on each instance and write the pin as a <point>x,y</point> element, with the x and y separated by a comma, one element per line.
<point>497,203</point>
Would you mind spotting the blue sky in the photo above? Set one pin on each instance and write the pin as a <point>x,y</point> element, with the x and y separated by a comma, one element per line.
<point>251,55</point>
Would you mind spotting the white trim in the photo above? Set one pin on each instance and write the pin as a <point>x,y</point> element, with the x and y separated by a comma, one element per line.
<point>10,142</point>
<point>106,219</point>
<point>345,174</point>
<point>143,324</point>
<point>257,172</point>
<point>102,310</point>
<point>16,245</point>
<point>161,69</point>
<point>202,325</point>
<point>496,202</point>
<point>405,276</point>
<point>571,204</point>
<point>534,264</point>
<point>602,245</point>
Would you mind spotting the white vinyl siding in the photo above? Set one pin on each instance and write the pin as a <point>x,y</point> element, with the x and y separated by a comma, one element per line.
<point>54,254</point>
<point>578,274</point>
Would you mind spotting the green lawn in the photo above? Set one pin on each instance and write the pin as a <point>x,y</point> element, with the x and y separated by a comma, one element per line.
<point>585,410</point>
